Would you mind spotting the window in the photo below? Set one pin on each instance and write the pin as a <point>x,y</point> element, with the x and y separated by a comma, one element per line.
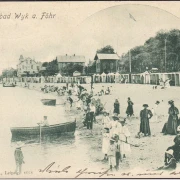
<point>31,66</point>
<point>30,61</point>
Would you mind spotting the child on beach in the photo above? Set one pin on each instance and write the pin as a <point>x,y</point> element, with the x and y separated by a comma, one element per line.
<point>105,143</point>
<point>118,152</point>
<point>124,135</point>
<point>111,154</point>
<point>105,120</point>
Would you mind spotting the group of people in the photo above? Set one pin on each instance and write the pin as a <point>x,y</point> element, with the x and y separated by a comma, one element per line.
<point>115,133</point>
<point>115,144</point>
<point>172,125</point>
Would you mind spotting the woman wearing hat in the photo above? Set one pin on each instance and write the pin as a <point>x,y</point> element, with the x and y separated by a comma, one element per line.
<point>172,119</point>
<point>145,115</point>
<point>170,161</point>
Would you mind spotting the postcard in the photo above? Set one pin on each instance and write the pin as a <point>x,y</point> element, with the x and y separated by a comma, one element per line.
<point>89,89</point>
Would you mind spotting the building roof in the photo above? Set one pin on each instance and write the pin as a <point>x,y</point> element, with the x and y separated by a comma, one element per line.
<point>106,56</point>
<point>73,58</point>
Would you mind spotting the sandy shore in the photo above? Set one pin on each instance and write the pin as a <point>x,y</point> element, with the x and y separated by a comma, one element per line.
<point>150,151</point>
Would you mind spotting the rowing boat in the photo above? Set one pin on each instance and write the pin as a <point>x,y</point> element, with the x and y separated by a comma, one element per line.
<point>8,85</point>
<point>49,102</point>
<point>56,129</point>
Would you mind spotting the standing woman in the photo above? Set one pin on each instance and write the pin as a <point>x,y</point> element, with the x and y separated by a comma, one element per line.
<point>173,118</point>
<point>116,107</point>
<point>145,115</point>
<point>129,110</point>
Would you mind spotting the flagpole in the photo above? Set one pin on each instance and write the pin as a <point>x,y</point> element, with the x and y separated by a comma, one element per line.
<point>130,61</point>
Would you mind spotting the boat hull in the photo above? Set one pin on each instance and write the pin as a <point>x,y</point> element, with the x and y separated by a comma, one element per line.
<point>57,129</point>
<point>8,85</point>
<point>49,102</point>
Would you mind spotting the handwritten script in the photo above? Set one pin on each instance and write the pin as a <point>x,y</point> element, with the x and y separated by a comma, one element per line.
<point>69,171</point>
<point>51,169</point>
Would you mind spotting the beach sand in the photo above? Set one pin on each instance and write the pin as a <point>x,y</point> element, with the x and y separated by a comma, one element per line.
<point>150,151</point>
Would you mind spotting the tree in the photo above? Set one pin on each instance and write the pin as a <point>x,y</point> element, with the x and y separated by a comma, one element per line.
<point>70,68</point>
<point>9,73</point>
<point>152,53</point>
<point>106,50</point>
<point>91,69</point>
<point>51,68</point>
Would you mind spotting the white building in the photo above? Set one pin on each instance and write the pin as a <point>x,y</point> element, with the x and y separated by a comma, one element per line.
<point>28,66</point>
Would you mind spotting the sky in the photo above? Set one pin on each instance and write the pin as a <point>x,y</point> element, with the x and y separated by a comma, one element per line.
<point>79,28</point>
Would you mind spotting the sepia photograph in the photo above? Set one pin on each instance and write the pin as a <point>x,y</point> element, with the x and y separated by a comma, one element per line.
<point>90,89</point>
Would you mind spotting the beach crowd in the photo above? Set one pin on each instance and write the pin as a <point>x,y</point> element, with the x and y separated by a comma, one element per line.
<point>116,145</point>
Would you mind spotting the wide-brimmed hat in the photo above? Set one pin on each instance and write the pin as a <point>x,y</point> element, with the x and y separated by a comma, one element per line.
<point>157,102</point>
<point>169,152</point>
<point>19,144</point>
<point>145,105</point>
<point>171,102</point>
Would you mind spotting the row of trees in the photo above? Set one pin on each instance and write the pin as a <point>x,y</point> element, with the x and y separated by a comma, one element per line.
<point>161,51</point>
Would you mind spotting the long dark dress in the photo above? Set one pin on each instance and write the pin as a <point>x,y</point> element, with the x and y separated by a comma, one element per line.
<point>117,107</point>
<point>144,125</point>
<point>129,110</point>
<point>172,120</point>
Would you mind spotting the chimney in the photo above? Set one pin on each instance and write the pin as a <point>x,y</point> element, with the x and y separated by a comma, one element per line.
<point>66,54</point>
<point>74,54</point>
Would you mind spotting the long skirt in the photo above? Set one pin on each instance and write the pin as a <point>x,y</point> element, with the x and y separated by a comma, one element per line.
<point>105,145</point>
<point>129,110</point>
<point>116,110</point>
<point>172,125</point>
<point>144,127</point>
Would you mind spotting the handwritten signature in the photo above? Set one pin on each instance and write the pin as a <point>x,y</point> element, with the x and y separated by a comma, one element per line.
<point>101,174</point>
<point>51,169</point>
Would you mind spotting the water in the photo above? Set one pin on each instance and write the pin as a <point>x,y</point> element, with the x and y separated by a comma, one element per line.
<point>22,108</point>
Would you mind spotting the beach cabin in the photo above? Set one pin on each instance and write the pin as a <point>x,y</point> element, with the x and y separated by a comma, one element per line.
<point>145,77</point>
<point>117,78</point>
<point>103,77</point>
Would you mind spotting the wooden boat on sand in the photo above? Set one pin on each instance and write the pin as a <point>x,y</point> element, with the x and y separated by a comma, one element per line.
<point>49,102</point>
<point>8,85</point>
<point>56,129</point>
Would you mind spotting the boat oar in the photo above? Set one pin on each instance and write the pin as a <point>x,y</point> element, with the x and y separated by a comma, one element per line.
<point>59,104</point>
<point>135,145</point>
<point>40,131</point>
